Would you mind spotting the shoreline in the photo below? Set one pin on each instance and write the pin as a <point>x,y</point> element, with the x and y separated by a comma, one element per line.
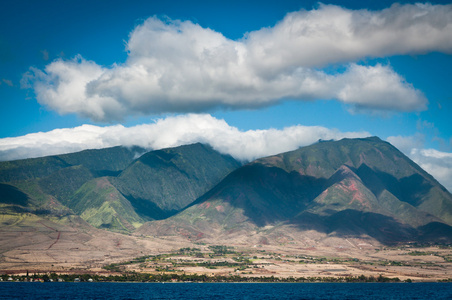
<point>197,278</point>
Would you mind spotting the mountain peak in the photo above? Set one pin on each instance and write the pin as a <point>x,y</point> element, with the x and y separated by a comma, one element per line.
<point>352,187</point>
<point>369,138</point>
<point>347,188</point>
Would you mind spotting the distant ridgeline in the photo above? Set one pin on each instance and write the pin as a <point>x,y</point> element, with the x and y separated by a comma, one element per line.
<point>111,188</point>
<point>339,189</point>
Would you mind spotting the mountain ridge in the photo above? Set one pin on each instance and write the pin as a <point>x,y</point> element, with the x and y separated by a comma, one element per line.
<point>99,186</point>
<point>348,188</point>
<point>352,187</point>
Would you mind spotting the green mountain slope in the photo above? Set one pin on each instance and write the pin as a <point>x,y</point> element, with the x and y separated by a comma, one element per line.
<point>100,204</point>
<point>110,160</point>
<point>347,188</point>
<point>107,161</point>
<point>60,176</point>
<point>45,185</point>
<point>111,189</point>
<point>155,186</point>
<point>161,183</point>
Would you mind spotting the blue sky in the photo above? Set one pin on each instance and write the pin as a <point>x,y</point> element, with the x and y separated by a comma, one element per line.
<point>65,64</point>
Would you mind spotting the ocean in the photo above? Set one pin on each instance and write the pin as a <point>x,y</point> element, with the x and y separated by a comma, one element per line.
<point>261,291</point>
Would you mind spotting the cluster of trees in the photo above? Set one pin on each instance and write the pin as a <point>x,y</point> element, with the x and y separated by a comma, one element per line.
<point>116,267</point>
<point>211,264</point>
<point>188,250</point>
<point>221,250</point>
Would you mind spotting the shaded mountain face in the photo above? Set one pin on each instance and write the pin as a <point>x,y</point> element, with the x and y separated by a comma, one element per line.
<point>112,188</point>
<point>347,188</point>
<point>162,182</point>
<point>60,176</point>
<point>99,161</point>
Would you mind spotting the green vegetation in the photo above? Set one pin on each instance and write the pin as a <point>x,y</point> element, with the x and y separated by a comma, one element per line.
<point>156,185</point>
<point>116,267</point>
<point>63,183</point>
<point>419,253</point>
<point>188,250</point>
<point>99,203</point>
<point>44,186</point>
<point>221,250</point>
<point>162,182</point>
<point>161,262</point>
<point>102,160</point>
<point>107,161</point>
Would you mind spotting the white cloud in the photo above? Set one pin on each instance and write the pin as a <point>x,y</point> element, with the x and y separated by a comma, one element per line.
<point>170,132</point>
<point>178,66</point>
<point>192,128</point>
<point>63,86</point>
<point>407,143</point>
<point>436,163</point>
<point>332,34</point>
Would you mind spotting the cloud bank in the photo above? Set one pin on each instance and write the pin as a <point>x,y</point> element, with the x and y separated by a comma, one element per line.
<point>192,128</point>
<point>170,132</point>
<point>179,66</point>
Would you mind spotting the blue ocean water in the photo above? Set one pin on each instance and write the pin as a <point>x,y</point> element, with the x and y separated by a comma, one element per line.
<point>261,291</point>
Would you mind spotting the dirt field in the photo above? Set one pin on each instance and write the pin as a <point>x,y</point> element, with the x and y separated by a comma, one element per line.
<point>60,251</point>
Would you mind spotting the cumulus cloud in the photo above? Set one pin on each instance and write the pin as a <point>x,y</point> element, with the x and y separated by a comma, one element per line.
<point>179,66</point>
<point>63,86</point>
<point>332,34</point>
<point>170,132</point>
<point>437,163</point>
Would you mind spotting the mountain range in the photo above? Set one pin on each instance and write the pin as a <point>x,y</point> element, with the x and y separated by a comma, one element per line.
<point>331,190</point>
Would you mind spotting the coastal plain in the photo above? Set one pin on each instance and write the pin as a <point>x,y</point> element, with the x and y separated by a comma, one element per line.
<point>105,253</point>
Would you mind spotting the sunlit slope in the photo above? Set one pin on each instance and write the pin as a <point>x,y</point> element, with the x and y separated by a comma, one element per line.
<point>44,186</point>
<point>347,188</point>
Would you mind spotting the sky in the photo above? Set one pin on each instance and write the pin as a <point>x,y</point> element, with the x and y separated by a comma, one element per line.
<point>250,78</point>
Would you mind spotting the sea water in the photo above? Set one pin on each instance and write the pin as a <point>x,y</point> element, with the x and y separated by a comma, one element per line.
<point>109,290</point>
